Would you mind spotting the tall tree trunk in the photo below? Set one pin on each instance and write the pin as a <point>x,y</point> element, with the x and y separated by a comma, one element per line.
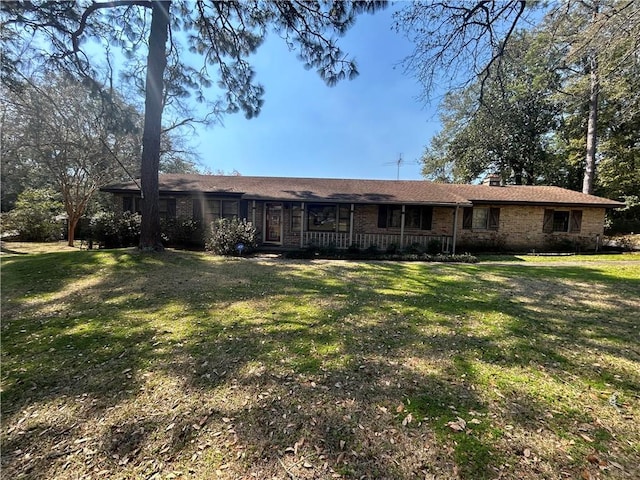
<point>592,124</point>
<point>150,239</point>
<point>71,229</point>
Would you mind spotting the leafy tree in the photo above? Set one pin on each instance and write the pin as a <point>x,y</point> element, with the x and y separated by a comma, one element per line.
<point>508,132</point>
<point>224,34</point>
<point>18,170</point>
<point>599,43</point>
<point>34,215</point>
<point>457,43</point>
<point>72,136</point>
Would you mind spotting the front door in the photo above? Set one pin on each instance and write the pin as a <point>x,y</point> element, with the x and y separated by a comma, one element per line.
<point>273,220</point>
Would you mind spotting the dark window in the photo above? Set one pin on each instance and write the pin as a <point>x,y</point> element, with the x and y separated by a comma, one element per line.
<point>344,217</point>
<point>415,216</point>
<point>229,208</point>
<point>562,221</point>
<point>167,208</point>
<point>394,217</point>
<point>132,204</point>
<point>328,218</point>
<point>216,208</point>
<point>197,209</point>
<point>382,216</point>
<point>467,218</point>
<point>494,219</point>
<point>296,218</point>
<point>481,218</point>
<point>321,218</point>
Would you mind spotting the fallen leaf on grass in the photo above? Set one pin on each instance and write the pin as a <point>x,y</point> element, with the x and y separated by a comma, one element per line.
<point>459,425</point>
<point>593,458</point>
<point>586,437</point>
<point>407,420</point>
<point>297,445</point>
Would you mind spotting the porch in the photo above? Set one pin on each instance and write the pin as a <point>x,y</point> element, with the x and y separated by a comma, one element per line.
<point>381,241</point>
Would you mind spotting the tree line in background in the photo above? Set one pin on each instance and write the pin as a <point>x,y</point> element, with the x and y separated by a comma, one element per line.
<point>67,138</point>
<point>538,93</point>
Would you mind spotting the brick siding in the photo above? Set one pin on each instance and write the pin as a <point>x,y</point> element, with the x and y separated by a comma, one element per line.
<point>520,226</point>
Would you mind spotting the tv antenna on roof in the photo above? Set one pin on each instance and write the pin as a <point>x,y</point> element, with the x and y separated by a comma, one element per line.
<point>399,162</point>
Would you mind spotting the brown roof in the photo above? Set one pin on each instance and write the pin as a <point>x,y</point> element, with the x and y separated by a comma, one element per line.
<point>366,191</point>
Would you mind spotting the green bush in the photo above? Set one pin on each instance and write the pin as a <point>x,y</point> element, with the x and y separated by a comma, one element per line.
<point>225,235</point>
<point>34,216</point>
<point>625,220</point>
<point>434,247</point>
<point>392,249</point>
<point>113,230</point>
<point>182,232</point>
<point>414,248</point>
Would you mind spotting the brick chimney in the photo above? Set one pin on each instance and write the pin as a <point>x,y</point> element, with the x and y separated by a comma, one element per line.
<point>492,180</point>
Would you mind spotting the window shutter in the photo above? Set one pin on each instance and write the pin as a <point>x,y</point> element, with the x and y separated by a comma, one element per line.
<point>127,204</point>
<point>382,216</point>
<point>427,218</point>
<point>575,223</point>
<point>171,208</point>
<point>547,224</point>
<point>467,218</point>
<point>494,219</point>
<point>197,210</point>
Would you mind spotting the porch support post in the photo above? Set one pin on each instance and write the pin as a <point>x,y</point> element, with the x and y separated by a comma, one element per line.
<point>253,213</point>
<point>402,228</point>
<point>455,230</point>
<point>351,225</point>
<point>301,224</point>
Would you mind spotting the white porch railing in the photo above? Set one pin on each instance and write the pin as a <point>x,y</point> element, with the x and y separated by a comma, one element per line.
<point>381,241</point>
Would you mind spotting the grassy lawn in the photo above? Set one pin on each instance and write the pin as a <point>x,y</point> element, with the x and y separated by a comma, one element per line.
<point>183,365</point>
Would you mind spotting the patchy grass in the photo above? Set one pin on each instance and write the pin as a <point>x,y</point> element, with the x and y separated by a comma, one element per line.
<point>122,365</point>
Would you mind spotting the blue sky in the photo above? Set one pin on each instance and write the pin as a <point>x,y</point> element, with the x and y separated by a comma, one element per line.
<point>307,129</point>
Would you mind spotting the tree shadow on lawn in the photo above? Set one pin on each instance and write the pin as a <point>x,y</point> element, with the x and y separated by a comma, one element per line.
<point>270,368</point>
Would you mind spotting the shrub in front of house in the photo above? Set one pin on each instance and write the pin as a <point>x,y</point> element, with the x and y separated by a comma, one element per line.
<point>231,237</point>
<point>34,216</point>
<point>114,230</point>
<point>182,232</point>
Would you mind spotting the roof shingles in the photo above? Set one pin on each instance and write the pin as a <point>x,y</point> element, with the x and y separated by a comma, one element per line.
<point>367,191</point>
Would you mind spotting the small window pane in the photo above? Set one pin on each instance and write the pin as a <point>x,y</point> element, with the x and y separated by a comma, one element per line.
<point>412,217</point>
<point>344,218</point>
<point>213,208</point>
<point>321,218</point>
<point>467,218</point>
<point>296,218</point>
<point>560,221</point>
<point>229,208</point>
<point>480,218</point>
<point>395,216</point>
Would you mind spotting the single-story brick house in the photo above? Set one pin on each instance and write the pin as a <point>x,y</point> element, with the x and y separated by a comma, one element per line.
<point>298,212</point>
